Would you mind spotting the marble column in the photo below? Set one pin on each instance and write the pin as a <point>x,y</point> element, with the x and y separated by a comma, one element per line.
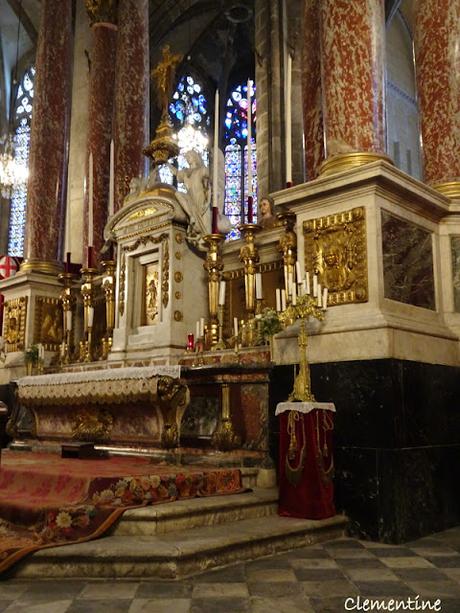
<point>353,51</point>
<point>131,94</point>
<point>437,50</point>
<point>100,112</point>
<point>49,138</point>
<point>311,90</point>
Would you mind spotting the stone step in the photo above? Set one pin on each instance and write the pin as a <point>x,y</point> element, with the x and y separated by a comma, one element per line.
<point>186,514</point>
<point>179,554</point>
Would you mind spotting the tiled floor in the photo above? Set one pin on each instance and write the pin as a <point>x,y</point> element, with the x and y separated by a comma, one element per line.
<point>321,579</point>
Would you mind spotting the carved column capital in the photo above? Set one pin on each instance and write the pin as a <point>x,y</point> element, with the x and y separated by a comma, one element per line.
<point>102,11</point>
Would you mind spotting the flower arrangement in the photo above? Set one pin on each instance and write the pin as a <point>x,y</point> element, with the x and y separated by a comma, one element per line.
<point>31,355</point>
<point>269,324</point>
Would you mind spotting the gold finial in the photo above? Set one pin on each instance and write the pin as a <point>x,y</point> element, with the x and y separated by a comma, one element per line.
<point>102,11</point>
<point>163,75</point>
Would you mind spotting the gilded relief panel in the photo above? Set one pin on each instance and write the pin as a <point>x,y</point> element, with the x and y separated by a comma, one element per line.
<point>15,312</point>
<point>335,250</point>
<point>407,262</point>
<point>150,294</point>
<point>455,250</point>
<point>48,322</point>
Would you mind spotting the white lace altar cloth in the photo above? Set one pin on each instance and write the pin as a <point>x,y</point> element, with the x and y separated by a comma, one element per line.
<point>304,407</point>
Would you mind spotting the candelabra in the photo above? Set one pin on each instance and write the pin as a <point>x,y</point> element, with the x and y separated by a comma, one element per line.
<point>224,437</point>
<point>108,285</point>
<point>307,306</point>
<point>221,344</point>
<point>87,290</point>
<point>288,247</point>
<point>249,256</point>
<point>67,300</point>
<point>214,266</point>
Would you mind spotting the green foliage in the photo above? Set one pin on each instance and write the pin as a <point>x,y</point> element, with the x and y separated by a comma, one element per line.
<point>31,355</point>
<point>269,323</point>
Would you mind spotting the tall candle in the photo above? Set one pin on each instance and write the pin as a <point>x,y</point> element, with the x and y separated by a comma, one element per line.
<point>202,327</point>
<point>67,228</point>
<point>90,200</point>
<point>315,285</point>
<point>111,179</point>
<point>235,326</point>
<point>68,315</point>
<point>294,295</point>
<point>258,286</point>
<point>288,121</point>
<point>222,293</point>
<point>215,155</point>
<point>319,295</point>
<point>90,316</point>
<point>197,330</point>
<point>283,300</point>
<point>297,270</point>
<point>278,300</point>
<point>325,292</point>
<point>307,282</point>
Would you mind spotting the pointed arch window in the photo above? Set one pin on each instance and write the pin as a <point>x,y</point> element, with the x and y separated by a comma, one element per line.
<point>22,122</point>
<point>189,114</point>
<point>236,156</point>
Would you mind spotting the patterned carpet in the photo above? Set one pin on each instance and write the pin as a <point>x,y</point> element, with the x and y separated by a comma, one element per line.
<point>316,579</point>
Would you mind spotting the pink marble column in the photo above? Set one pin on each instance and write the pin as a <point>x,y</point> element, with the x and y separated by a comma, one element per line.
<point>131,94</point>
<point>101,96</point>
<point>437,48</point>
<point>311,90</point>
<point>49,137</point>
<point>352,47</point>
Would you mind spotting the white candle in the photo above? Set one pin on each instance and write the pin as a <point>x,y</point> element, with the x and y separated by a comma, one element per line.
<point>325,292</point>
<point>215,155</point>
<point>278,300</point>
<point>307,282</point>
<point>90,201</point>
<point>235,326</point>
<point>222,293</point>
<point>90,316</point>
<point>288,120</point>
<point>294,295</point>
<point>68,315</point>
<point>197,330</point>
<point>297,271</point>
<point>290,283</point>
<point>249,141</point>
<point>283,300</point>
<point>202,327</point>
<point>258,286</point>
<point>319,295</point>
<point>112,179</point>
<point>315,285</point>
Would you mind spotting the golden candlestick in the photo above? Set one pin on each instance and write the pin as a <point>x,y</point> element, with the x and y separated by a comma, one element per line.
<point>214,266</point>
<point>249,256</point>
<point>67,300</point>
<point>224,437</point>
<point>87,290</point>
<point>288,247</point>
<point>307,306</point>
<point>221,344</point>
<point>108,285</point>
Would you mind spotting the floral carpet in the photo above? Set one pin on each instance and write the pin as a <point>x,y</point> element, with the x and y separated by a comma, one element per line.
<point>46,500</point>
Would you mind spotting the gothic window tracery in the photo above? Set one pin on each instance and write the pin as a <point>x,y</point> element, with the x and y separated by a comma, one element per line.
<point>236,156</point>
<point>22,122</point>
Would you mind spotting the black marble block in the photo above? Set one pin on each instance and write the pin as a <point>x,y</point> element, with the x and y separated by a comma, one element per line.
<point>397,443</point>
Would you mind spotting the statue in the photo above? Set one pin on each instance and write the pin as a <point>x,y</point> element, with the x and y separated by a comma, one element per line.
<point>163,75</point>
<point>267,217</point>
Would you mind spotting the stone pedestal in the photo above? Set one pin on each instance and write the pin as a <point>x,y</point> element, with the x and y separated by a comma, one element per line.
<point>161,284</point>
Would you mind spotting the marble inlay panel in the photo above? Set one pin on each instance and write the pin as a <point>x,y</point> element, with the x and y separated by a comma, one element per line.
<point>455,249</point>
<point>407,262</point>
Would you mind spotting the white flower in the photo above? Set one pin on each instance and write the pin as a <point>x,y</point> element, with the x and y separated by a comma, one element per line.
<point>64,519</point>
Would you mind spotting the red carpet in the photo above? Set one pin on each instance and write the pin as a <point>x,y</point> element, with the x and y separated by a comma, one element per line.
<point>46,500</point>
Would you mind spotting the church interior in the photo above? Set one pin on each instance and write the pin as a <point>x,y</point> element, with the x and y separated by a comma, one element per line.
<point>230,281</point>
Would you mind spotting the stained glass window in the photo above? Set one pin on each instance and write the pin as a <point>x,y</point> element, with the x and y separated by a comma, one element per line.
<point>236,156</point>
<point>22,119</point>
<point>188,111</point>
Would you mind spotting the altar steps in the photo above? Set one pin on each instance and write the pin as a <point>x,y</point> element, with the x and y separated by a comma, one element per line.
<point>186,537</point>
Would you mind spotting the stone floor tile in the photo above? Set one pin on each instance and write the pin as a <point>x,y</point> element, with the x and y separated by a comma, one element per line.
<point>11,590</point>
<point>274,562</point>
<point>281,605</point>
<point>62,589</point>
<point>370,574</point>
<point>360,563</point>
<point>275,590</point>
<point>219,590</point>
<point>393,552</point>
<point>340,587</point>
<point>164,589</point>
<point>58,606</point>
<point>413,562</point>
<point>99,606</point>
<point>420,574</point>
<point>452,561</point>
<point>109,590</point>
<point>222,575</point>
<point>220,605</point>
<point>309,552</point>
<point>450,605</point>
<point>342,552</point>
<point>434,551</point>
<point>452,573</point>
<point>159,605</point>
<point>435,589</point>
<point>384,588</point>
<point>318,574</point>
<point>270,575</point>
<point>312,563</point>
<point>328,605</point>
<point>347,543</point>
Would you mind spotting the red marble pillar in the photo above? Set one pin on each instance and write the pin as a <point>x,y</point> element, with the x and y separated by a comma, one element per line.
<point>353,51</point>
<point>131,94</point>
<point>49,138</point>
<point>101,96</point>
<point>311,90</point>
<point>437,49</point>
